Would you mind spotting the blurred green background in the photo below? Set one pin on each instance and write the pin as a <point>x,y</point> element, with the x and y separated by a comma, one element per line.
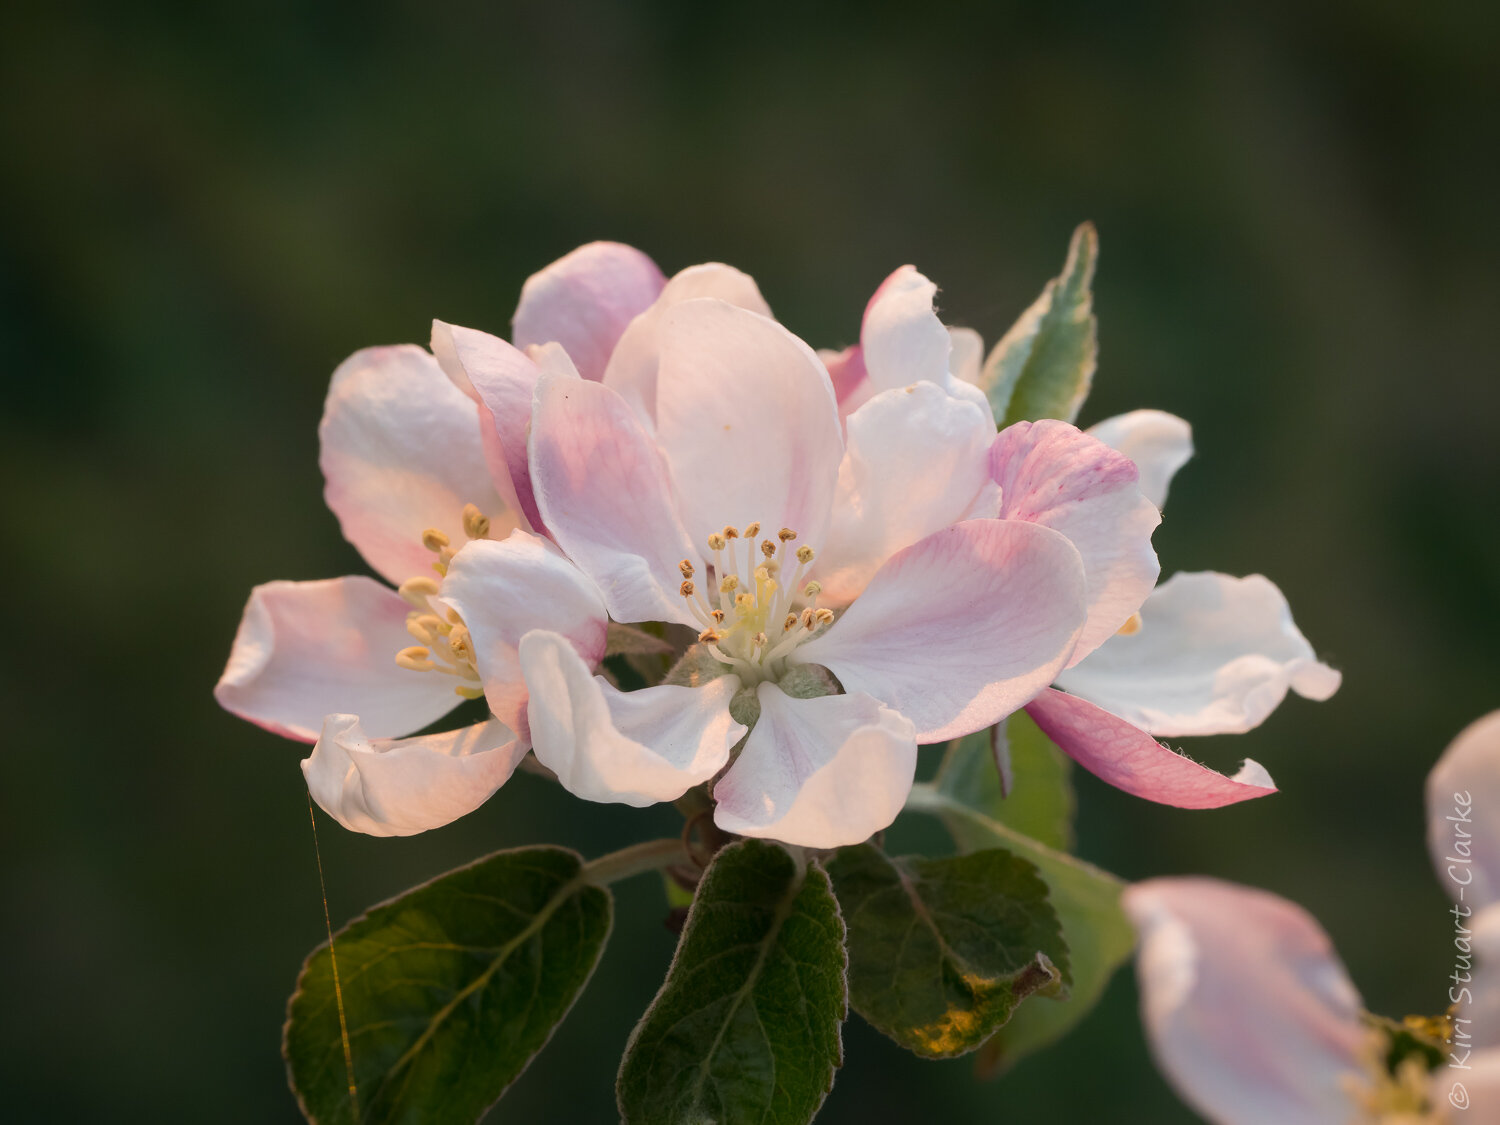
<point>203,208</point>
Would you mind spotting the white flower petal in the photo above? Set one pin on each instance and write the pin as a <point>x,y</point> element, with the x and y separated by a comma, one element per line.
<point>1213,655</point>
<point>818,773</point>
<point>1051,473</point>
<point>966,362</point>
<point>961,628</point>
<point>747,420</point>
<point>308,649</point>
<point>584,300</point>
<point>1463,815</point>
<point>918,460</point>
<point>400,453</point>
<point>903,339</point>
<point>607,498</point>
<point>632,748</point>
<point>633,366</point>
<point>1159,443</point>
<point>1250,1014</point>
<point>505,590</point>
<point>400,787</point>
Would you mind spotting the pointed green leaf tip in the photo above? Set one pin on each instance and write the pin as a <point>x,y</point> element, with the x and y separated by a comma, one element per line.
<point>942,950</point>
<point>746,1027</point>
<point>1043,367</point>
<point>449,990</point>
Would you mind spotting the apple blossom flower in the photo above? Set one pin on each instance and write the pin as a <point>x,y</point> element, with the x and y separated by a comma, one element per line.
<point>1253,1018</point>
<point>718,506</point>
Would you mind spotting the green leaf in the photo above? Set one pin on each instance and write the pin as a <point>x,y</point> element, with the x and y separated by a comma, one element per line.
<point>1038,802</point>
<point>1043,367</point>
<point>449,990</point>
<point>746,1027</point>
<point>1087,902</point>
<point>942,950</point>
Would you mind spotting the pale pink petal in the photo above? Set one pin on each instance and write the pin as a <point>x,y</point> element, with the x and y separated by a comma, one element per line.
<point>1213,654</point>
<point>1052,474</point>
<point>385,787</point>
<point>1159,443</point>
<point>584,300</point>
<point>308,649</point>
<point>918,461</point>
<point>1478,998</point>
<point>606,497</point>
<point>747,420</point>
<point>1130,759</point>
<point>846,370</point>
<point>401,453</point>
<point>632,748</point>
<point>1463,814</point>
<point>633,366</point>
<point>967,359</point>
<point>505,590</point>
<point>1248,1009</point>
<point>903,339</point>
<point>961,628</point>
<point>818,773</point>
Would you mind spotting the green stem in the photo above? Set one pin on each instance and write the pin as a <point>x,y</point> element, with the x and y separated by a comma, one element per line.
<point>637,859</point>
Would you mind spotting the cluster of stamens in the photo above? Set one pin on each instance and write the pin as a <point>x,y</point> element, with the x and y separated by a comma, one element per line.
<point>754,625</point>
<point>444,644</point>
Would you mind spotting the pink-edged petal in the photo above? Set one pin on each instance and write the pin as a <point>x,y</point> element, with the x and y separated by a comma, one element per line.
<point>966,361</point>
<point>846,371</point>
<point>1159,443</point>
<point>1213,654</point>
<point>1130,759</point>
<point>1053,474</point>
<point>633,366</point>
<point>747,420</point>
<point>308,649</point>
<point>961,628</point>
<point>401,453</point>
<point>632,748</point>
<point>1463,814</point>
<point>1248,1009</point>
<point>505,590</point>
<point>584,301</point>
<point>607,498</point>
<point>903,339</point>
<point>818,773</point>
<point>918,460</point>
<point>399,787</point>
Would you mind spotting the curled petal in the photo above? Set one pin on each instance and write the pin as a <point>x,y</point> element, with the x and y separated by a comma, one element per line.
<point>818,773</point>
<point>584,301</point>
<point>747,421</point>
<point>632,748</point>
<point>1159,443</point>
<point>308,649</point>
<point>633,366</point>
<point>1130,759</point>
<point>505,590</point>
<point>1212,654</point>
<point>1463,815</point>
<point>607,498</point>
<point>1052,474</point>
<point>903,339</point>
<point>917,462</point>
<point>400,452</point>
<point>1250,1014</point>
<point>386,787</point>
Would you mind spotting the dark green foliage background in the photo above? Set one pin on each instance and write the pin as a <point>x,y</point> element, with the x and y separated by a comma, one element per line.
<point>203,208</point>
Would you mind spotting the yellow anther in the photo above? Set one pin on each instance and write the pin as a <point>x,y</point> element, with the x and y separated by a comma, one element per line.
<point>718,616</point>
<point>730,584</point>
<point>805,554</point>
<point>768,548</point>
<point>812,589</point>
<point>1131,627</point>
<point>686,566</point>
<point>760,640</point>
<point>710,636</point>
<point>823,616</point>
<point>716,542</point>
<point>476,523</point>
<point>786,535</point>
<point>807,618</point>
<point>752,531</point>
<point>731,533</point>
<point>470,691</point>
<point>433,539</point>
<point>743,603</point>
<point>440,568</point>
<point>686,589</point>
<point>418,631</point>
<point>454,618</point>
<point>417,658</point>
<point>789,623</point>
<point>417,590</point>
<point>458,640</point>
